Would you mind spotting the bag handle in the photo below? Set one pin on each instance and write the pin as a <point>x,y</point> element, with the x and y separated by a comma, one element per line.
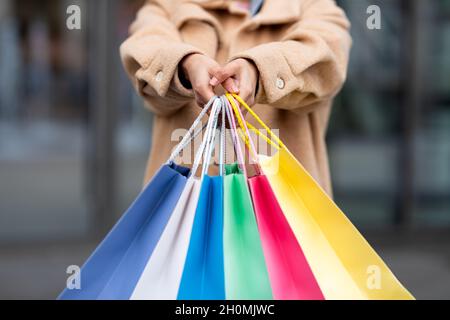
<point>211,137</point>
<point>273,140</point>
<point>212,140</point>
<point>205,141</point>
<point>223,151</point>
<point>188,137</point>
<point>246,134</point>
<point>243,126</point>
<point>234,135</point>
<point>259,133</point>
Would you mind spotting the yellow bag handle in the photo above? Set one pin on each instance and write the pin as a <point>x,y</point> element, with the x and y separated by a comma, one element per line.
<point>270,140</point>
<point>267,139</point>
<point>243,134</point>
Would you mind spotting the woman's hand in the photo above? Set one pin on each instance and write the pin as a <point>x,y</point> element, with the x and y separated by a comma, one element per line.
<point>198,70</point>
<point>240,76</point>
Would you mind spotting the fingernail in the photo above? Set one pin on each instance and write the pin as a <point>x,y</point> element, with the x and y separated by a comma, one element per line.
<point>234,88</point>
<point>214,81</point>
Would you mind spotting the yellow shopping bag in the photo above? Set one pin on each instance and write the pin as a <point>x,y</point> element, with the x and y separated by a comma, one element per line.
<point>344,264</point>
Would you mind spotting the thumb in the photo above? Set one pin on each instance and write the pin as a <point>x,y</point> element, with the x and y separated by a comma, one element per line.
<point>230,85</point>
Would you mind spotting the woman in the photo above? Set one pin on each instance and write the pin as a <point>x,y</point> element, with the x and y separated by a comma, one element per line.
<point>286,58</point>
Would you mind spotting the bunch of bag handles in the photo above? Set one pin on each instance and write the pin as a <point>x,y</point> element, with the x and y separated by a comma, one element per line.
<point>227,107</point>
<point>205,150</point>
<point>272,139</point>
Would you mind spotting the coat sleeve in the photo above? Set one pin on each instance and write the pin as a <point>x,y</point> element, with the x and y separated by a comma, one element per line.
<point>151,56</point>
<point>309,64</point>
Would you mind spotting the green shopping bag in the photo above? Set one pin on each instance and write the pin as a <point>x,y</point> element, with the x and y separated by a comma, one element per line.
<point>246,276</point>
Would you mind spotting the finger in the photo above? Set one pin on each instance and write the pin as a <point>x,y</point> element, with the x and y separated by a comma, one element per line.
<point>203,94</point>
<point>219,75</point>
<point>215,73</point>
<point>231,86</point>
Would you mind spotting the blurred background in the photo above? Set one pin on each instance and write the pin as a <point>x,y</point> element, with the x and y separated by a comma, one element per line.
<point>74,139</point>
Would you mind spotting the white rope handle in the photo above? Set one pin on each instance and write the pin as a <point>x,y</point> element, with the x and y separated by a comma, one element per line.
<point>188,137</point>
<point>212,138</point>
<point>205,141</point>
<point>234,135</point>
<point>222,151</point>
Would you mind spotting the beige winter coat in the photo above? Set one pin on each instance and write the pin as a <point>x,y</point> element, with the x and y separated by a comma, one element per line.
<point>300,48</point>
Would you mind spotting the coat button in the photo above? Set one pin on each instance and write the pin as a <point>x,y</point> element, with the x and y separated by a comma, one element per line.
<point>159,76</point>
<point>280,83</point>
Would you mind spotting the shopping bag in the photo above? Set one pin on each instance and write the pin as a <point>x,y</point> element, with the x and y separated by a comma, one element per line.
<point>344,264</point>
<point>203,273</point>
<point>290,275</point>
<point>117,262</point>
<point>162,275</point>
<point>246,274</point>
<point>114,268</point>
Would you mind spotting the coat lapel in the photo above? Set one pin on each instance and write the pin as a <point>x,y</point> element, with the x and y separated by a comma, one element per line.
<point>278,12</point>
<point>272,11</point>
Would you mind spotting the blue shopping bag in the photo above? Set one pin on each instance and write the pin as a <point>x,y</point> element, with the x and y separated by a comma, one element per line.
<point>112,271</point>
<point>203,275</point>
